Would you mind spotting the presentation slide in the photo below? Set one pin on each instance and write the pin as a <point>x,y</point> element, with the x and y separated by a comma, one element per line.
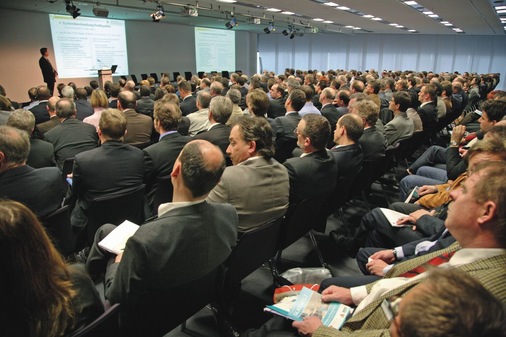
<point>84,45</point>
<point>214,49</point>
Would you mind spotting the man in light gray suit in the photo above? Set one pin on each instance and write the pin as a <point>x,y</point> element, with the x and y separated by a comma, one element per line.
<point>257,185</point>
<point>401,126</point>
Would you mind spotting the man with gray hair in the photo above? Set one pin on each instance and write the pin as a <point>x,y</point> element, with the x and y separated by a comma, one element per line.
<point>39,110</point>
<point>42,128</point>
<point>257,185</point>
<point>235,96</point>
<point>199,120</point>
<point>218,132</point>
<point>72,136</point>
<point>67,92</point>
<point>42,190</point>
<point>41,152</point>
<point>372,141</point>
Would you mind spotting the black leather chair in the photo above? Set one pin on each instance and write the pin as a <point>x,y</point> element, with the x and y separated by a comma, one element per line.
<point>163,194</point>
<point>372,170</point>
<point>68,166</point>
<point>175,75</point>
<point>155,76</point>
<point>188,75</point>
<point>201,74</point>
<point>115,208</point>
<point>106,325</point>
<point>225,74</point>
<point>144,76</point>
<point>59,229</point>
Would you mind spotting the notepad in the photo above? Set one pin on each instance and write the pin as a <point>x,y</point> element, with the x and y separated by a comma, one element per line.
<point>116,240</point>
<point>393,217</point>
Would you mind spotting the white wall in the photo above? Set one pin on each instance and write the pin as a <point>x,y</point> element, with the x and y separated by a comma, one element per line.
<point>152,47</point>
<point>480,54</point>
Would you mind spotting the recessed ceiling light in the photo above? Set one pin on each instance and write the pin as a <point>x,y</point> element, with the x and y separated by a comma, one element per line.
<point>376,19</point>
<point>343,8</point>
<point>433,15</point>
<point>501,11</point>
<point>328,21</point>
<point>428,13</point>
<point>318,19</point>
<point>393,24</point>
<point>500,7</point>
<point>357,28</point>
<point>273,10</point>
<point>332,4</point>
<point>411,3</point>
<point>227,1</point>
<point>448,24</point>
<point>368,16</point>
<point>412,30</point>
<point>287,13</point>
<point>348,26</point>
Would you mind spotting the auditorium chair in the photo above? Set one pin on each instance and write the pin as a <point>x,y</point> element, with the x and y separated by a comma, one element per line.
<point>144,77</point>
<point>188,75</point>
<point>134,78</point>
<point>59,229</point>
<point>106,325</point>
<point>155,76</point>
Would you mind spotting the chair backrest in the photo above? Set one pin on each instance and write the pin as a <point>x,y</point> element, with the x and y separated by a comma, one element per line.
<point>115,208</point>
<point>155,76</point>
<point>254,247</point>
<point>106,325</point>
<point>407,147</point>
<point>124,77</point>
<point>175,74</point>
<point>163,194</point>
<point>144,76</point>
<point>157,314</point>
<point>188,75</point>
<point>134,78</point>
<point>201,74</point>
<point>68,166</point>
<point>225,74</point>
<point>371,171</point>
<point>284,148</point>
<point>299,220</point>
<point>58,226</point>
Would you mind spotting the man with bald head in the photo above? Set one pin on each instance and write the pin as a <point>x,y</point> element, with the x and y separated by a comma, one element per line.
<point>42,128</point>
<point>189,239</point>
<point>139,126</point>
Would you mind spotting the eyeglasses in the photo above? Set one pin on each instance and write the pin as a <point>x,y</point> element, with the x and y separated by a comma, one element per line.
<point>393,305</point>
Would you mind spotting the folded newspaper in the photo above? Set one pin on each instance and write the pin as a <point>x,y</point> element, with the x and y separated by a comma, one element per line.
<point>116,240</point>
<point>309,303</point>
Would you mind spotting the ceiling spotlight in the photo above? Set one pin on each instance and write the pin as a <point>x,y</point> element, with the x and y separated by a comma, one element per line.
<point>159,14</point>
<point>71,9</point>
<point>232,23</point>
<point>270,28</point>
<point>288,31</point>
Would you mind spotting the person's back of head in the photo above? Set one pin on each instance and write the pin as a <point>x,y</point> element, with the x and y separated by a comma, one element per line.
<point>257,130</point>
<point>14,147</point>
<point>145,91</point>
<point>99,99</point>
<point>202,165</point>
<point>184,87</point>
<point>129,85</point>
<point>37,286</point>
<point>51,105</point>
<point>65,108</point>
<point>32,93</point>
<point>308,91</point>
<point>94,84</point>
<point>23,120</point>
<point>67,92</point>
<point>5,104</point>
<point>258,102</point>
<point>328,94</point>
<point>127,100</point>
<point>167,114</point>
<point>221,108</point>
<point>43,93</point>
<point>216,88</point>
<point>204,99</point>
<point>81,93</point>
<point>453,304</point>
<point>297,99</point>
<point>43,51</point>
<point>317,129</point>
<point>112,124</point>
<point>403,99</point>
<point>495,109</point>
<point>368,110</point>
<point>234,95</point>
<point>353,125</point>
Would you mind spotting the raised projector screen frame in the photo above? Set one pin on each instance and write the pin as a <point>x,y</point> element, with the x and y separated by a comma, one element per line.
<point>84,45</point>
<point>214,49</point>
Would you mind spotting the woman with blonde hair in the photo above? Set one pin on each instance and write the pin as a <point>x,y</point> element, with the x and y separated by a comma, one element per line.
<point>99,102</point>
<point>40,295</point>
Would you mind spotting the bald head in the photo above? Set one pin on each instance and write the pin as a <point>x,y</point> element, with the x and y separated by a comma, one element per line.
<point>127,100</point>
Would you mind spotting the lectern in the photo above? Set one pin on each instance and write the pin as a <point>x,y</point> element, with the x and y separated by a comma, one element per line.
<point>104,75</point>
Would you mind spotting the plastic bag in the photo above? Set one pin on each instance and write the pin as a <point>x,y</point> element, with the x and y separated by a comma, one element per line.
<point>306,275</point>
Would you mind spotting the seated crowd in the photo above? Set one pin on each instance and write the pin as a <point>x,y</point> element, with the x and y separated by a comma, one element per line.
<point>233,154</point>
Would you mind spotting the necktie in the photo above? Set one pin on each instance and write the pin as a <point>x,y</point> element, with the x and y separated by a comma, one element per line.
<point>436,261</point>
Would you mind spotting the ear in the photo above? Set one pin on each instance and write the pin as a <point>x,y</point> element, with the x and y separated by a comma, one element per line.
<point>176,170</point>
<point>99,132</point>
<point>252,147</point>
<point>488,212</point>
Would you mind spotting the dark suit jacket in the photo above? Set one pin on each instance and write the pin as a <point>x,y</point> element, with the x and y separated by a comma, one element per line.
<point>84,109</point>
<point>348,159</point>
<point>332,114</point>
<point>159,160</point>
<point>276,107</point>
<point>373,143</point>
<point>47,70</point>
<point>145,106</point>
<point>218,135</point>
<point>110,168</point>
<point>313,176</point>
<point>42,128</point>
<point>40,112</point>
<point>182,245</point>
<point>42,190</point>
<point>113,103</point>
<point>428,115</point>
<point>70,138</point>
<point>286,140</point>
<point>41,154</point>
<point>139,128</point>
<point>188,105</point>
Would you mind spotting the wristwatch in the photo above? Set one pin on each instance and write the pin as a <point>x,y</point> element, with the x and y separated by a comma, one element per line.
<point>395,254</point>
<point>454,143</point>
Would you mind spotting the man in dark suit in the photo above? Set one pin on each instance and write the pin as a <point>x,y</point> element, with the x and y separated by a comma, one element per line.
<point>313,175</point>
<point>145,105</point>
<point>42,190</point>
<point>188,240</point>
<point>220,110</point>
<point>72,136</point>
<point>277,102</point>
<point>139,127</point>
<point>40,111</point>
<point>121,166</point>
<point>42,128</point>
<point>160,157</point>
<point>84,108</point>
<point>372,141</point>
<point>48,71</point>
<point>427,110</point>
<point>329,111</point>
<point>347,153</point>
<point>41,152</point>
<point>284,126</point>
<point>188,103</point>
<point>114,91</point>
